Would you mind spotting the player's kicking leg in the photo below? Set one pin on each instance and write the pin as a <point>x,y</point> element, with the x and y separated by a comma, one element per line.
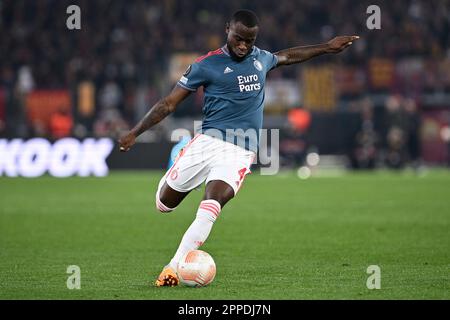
<point>223,166</point>
<point>188,171</point>
<point>217,194</point>
<point>167,199</point>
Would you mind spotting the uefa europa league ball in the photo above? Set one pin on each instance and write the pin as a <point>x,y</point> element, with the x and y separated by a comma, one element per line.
<point>196,269</point>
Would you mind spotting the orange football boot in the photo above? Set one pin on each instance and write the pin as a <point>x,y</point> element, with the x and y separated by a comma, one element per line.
<point>167,278</point>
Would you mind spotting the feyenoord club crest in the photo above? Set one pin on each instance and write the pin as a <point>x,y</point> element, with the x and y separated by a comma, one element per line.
<point>258,65</point>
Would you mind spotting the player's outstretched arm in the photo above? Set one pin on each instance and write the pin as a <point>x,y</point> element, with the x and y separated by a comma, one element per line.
<point>158,112</point>
<point>301,54</point>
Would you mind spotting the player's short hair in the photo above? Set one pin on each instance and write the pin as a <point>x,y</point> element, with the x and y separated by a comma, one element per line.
<point>247,17</point>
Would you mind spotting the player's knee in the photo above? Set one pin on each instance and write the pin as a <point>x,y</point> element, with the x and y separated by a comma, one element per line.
<point>222,199</point>
<point>219,191</point>
<point>161,207</point>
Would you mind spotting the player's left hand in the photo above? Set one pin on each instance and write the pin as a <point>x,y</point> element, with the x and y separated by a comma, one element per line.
<point>340,43</point>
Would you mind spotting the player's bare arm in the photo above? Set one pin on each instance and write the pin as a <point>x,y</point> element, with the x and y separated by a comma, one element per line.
<point>303,53</point>
<point>157,113</point>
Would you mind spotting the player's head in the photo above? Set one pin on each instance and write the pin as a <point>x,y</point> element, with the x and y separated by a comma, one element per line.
<point>242,31</point>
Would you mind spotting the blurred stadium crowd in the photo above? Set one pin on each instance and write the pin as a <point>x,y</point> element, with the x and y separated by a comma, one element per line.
<point>105,76</point>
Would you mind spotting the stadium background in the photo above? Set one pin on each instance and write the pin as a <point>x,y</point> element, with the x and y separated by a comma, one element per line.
<point>382,104</point>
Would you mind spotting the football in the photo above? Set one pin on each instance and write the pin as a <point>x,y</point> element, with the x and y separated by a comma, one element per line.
<point>196,269</point>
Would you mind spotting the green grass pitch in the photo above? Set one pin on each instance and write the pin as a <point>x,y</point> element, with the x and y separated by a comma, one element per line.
<point>280,238</point>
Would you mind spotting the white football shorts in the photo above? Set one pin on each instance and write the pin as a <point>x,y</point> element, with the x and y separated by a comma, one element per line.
<point>205,159</point>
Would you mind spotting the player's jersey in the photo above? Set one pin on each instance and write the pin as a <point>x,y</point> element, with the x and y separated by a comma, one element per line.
<point>234,94</point>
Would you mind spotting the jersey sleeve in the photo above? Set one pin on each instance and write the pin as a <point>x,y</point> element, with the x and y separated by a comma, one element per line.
<point>270,60</point>
<point>193,78</point>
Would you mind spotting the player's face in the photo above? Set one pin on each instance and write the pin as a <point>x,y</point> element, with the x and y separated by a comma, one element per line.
<point>240,39</point>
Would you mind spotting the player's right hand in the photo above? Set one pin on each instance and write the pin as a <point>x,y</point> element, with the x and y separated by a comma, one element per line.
<point>127,141</point>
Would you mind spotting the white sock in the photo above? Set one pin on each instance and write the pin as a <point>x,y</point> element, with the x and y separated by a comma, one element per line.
<point>198,231</point>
